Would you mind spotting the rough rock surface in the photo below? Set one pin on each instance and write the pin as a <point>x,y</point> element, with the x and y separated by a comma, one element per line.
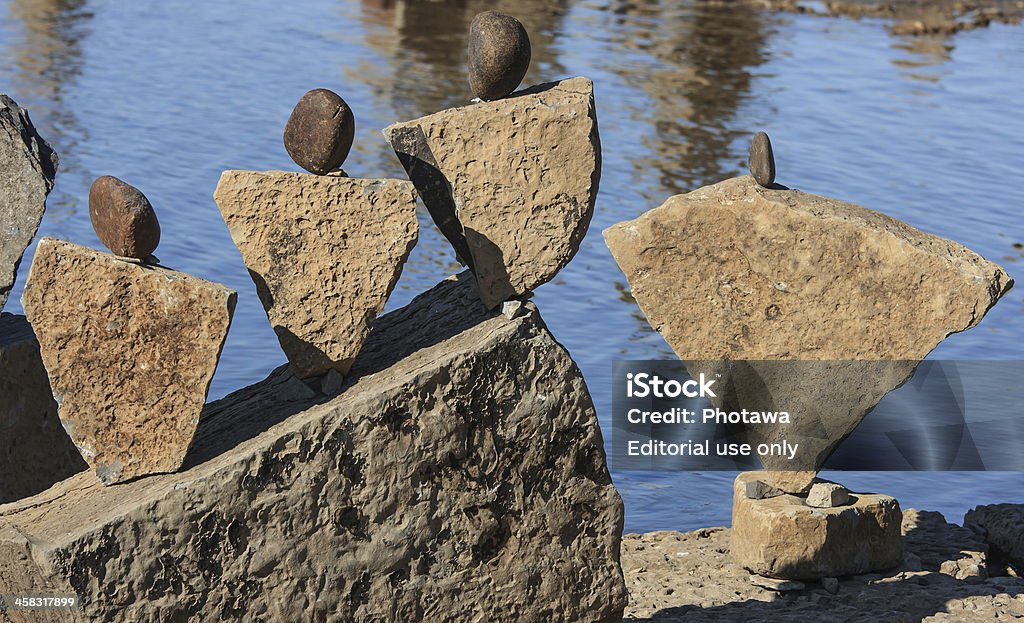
<point>319,132</point>
<point>689,578</point>
<point>27,169</point>
<point>1003,528</point>
<point>499,54</point>
<point>460,476</point>
<point>511,183</point>
<point>130,351</point>
<point>123,218</point>
<point>325,253</point>
<point>781,537</point>
<point>35,452</point>
<point>787,481</point>
<point>735,271</point>
<point>944,547</point>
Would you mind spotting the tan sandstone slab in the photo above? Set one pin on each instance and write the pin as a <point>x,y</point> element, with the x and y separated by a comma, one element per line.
<point>130,350</point>
<point>35,452</point>
<point>511,183</point>
<point>782,537</point>
<point>738,272</point>
<point>324,251</point>
<point>459,476</point>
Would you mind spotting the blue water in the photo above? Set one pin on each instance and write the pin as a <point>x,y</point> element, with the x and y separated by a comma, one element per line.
<point>167,95</point>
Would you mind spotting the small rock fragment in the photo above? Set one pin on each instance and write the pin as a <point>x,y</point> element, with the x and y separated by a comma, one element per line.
<point>830,584</point>
<point>827,495</point>
<point>27,170</point>
<point>123,218</point>
<point>758,490</point>
<point>499,54</point>
<point>331,383</point>
<point>761,160</point>
<point>511,309</point>
<point>774,584</point>
<point>319,132</point>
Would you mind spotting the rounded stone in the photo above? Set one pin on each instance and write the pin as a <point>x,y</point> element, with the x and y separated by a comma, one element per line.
<point>761,160</point>
<point>319,132</point>
<point>499,54</point>
<point>123,218</point>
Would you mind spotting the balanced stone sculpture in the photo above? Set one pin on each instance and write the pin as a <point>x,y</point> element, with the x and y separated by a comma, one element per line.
<point>499,54</point>
<point>324,252</point>
<point>123,218</point>
<point>741,280</point>
<point>511,183</point>
<point>463,463</point>
<point>129,349</point>
<point>319,132</point>
<point>27,170</point>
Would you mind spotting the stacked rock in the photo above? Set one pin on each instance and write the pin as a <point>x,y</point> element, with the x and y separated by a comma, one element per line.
<point>878,297</point>
<point>123,218</point>
<point>319,132</point>
<point>499,54</point>
<point>510,183</point>
<point>27,170</point>
<point>130,349</point>
<point>324,250</point>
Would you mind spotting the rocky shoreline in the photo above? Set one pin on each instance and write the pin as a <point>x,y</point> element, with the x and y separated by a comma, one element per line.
<point>911,17</point>
<point>947,575</point>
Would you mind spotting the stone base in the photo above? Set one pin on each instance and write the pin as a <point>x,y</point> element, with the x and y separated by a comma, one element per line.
<point>35,452</point>
<point>459,476</point>
<point>782,537</point>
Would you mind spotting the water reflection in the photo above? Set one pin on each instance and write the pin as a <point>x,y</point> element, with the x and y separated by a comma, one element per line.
<point>46,62</point>
<point>700,73</point>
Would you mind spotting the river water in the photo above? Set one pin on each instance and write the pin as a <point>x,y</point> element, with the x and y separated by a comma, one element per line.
<point>167,95</point>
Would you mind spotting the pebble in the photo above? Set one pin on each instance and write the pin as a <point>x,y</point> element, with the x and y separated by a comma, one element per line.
<point>830,584</point>
<point>499,54</point>
<point>123,218</point>
<point>319,132</point>
<point>761,160</point>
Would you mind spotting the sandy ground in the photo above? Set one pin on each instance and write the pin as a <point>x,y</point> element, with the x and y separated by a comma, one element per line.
<point>689,577</point>
<point>913,17</point>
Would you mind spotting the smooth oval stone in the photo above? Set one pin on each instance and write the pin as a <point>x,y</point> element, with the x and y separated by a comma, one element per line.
<point>123,218</point>
<point>761,160</point>
<point>499,54</point>
<point>319,132</point>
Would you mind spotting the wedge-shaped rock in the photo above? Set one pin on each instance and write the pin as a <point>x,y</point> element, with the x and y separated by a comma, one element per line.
<point>130,350</point>
<point>510,183</point>
<point>325,253</point>
<point>735,271</point>
<point>460,476</point>
<point>27,169</point>
<point>35,452</point>
<point>782,537</point>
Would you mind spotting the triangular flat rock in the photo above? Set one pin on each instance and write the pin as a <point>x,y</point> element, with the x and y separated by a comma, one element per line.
<point>735,271</point>
<point>130,351</point>
<point>511,183</point>
<point>325,253</point>
<point>27,169</point>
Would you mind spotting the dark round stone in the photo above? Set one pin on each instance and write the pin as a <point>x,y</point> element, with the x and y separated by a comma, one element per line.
<point>761,160</point>
<point>319,132</point>
<point>499,54</point>
<point>123,218</point>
